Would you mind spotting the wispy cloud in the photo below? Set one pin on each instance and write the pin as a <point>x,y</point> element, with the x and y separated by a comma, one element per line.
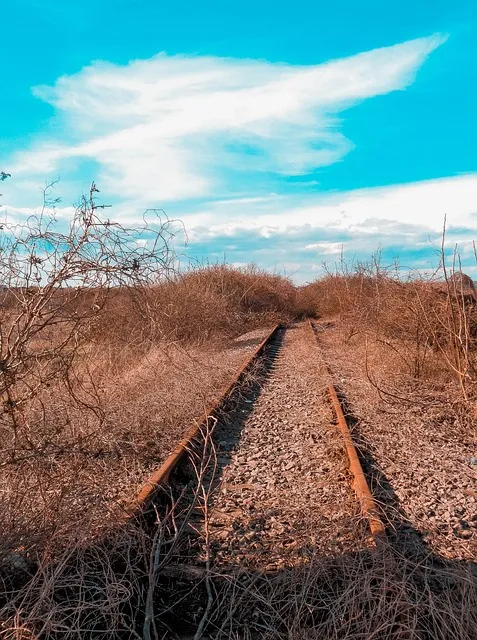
<point>371,211</point>
<point>212,139</point>
<point>175,128</point>
<point>325,248</point>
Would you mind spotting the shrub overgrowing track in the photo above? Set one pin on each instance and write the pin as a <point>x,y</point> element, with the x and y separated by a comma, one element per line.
<point>257,533</point>
<point>260,484</point>
<point>254,533</point>
<point>265,508</point>
<point>107,353</point>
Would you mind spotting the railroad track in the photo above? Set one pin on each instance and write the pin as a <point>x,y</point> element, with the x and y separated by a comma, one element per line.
<point>263,510</point>
<point>360,483</point>
<point>194,437</point>
<point>269,475</point>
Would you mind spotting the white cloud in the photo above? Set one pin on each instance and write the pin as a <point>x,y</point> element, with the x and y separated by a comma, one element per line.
<point>325,248</point>
<point>176,127</point>
<point>405,220</point>
<point>211,139</point>
<point>378,210</point>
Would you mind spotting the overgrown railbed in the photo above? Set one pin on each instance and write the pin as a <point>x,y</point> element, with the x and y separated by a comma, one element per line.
<point>102,591</point>
<point>101,370</point>
<point>107,355</point>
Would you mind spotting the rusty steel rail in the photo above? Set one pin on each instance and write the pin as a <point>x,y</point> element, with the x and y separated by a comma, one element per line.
<point>360,484</point>
<point>161,476</point>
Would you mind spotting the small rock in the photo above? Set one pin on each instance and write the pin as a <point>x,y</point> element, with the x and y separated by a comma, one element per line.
<point>465,534</point>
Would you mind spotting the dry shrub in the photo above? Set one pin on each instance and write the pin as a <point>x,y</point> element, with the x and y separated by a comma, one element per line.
<point>222,301</point>
<point>125,584</point>
<point>307,301</point>
<point>56,281</point>
<point>371,594</point>
<point>97,386</point>
<point>107,356</point>
<point>429,322</point>
<point>138,583</point>
<point>200,305</point>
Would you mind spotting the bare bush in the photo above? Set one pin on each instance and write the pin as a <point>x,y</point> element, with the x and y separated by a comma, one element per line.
<point>429,323</point>
<point>55,283</point>
<point>106,355</point>
<point>211,303</point>
<point>145,582</point>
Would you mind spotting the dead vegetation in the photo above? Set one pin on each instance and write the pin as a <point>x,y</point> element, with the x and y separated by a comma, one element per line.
<point>427,323</point>
<point>202,305</point>
<point>106,355</point>
<point>142,582</point>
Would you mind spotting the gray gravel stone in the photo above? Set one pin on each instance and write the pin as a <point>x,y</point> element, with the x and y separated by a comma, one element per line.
<point>421,449</point>
<point>294,457</point>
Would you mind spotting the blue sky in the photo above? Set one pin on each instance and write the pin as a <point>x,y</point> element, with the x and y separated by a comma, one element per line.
<point>279,132</point>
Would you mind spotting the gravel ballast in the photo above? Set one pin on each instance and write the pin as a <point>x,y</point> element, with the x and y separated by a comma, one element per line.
<point>423,456</point>
<point>285,496</point>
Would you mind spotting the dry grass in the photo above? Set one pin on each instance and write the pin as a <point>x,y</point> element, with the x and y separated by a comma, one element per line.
<point>136,584</point>
<point>201,305</point>
<point>107,409</point>
<point>430,326</point>
<point>147,363</point>
<point>103,400</point>
<point>375,594</point>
